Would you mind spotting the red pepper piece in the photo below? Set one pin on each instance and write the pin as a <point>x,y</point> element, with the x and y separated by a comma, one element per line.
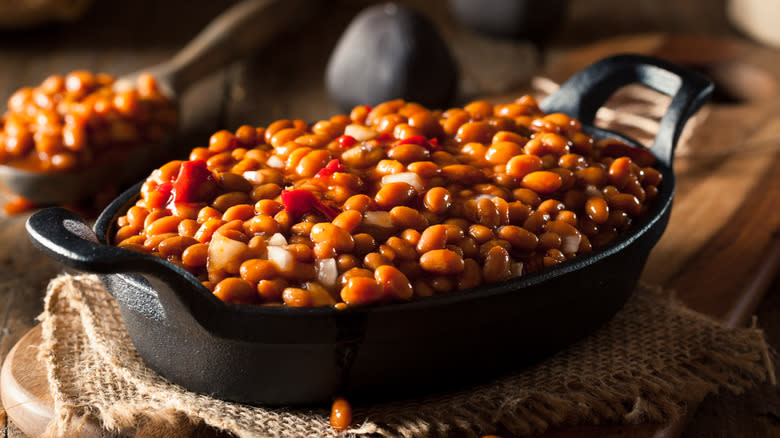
<point>160,196</point>
<point>432,144</point>
<point>299,202</point>
<point>346,141</point>
<point>384,137</point>
<point>641,156</point>
<point>192,176</point>
<point>332,167</point>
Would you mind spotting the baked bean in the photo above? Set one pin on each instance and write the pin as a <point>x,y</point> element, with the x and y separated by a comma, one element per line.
<point>374,260</point>
<point>597,210</point>
<point>407,153</point>
<point>300,252</point>
<point>195,255</point>
<point>521,165</point>
<point>593,176</point>
<point>254,270</point>
<point>567,216</point>
<point>441,261</point>
<point>340,414</point>
<point>240,212</point>
<point>207,229</point>
<point>542,181</point>
<point>536,222</point>
<point>235,290</point>
<point>405,217</point>
<point>125,232</point>
<point>527,196</point>
<point>651,192</point>
<point>650,176</point>
<point>549,240</point>
<point>261,224</point>
<point>626,202</point>
<point>474,131</point>
<point>392,194</point>
<point>487,213</point>
<point>518,237</point>
<point>227,200</point>
<point>175,246</point>
<point>481,233</point>
<point>502,152</point>
<point>348,220</point>
<point>232,182</point>
<point>188,227</point>
<point>553,257</point>
<point>268,207</point>
<point>167,224</point>
<point>341,240</point>
<point>572,162</point>
<point>551,207</point>
<point>438,200</point>
<point>297,297</point>
<point>619,172</point>
<point>402,249</point>
<point>462,173</point>
<point>432,238</point>
<point>362,291</point>
<point>395,283</point>
<point>207,213</point>
<point>497,265</point>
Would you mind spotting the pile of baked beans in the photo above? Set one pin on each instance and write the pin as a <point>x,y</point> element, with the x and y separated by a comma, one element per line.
<point>388,203</point>
<point>72,122</point>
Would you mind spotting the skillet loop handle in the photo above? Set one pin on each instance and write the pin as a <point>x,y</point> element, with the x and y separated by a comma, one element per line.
<point>583,94</point>
<point>67,238</point>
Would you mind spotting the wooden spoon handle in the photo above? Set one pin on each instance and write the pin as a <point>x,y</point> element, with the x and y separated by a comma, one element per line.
<point>233,34</point>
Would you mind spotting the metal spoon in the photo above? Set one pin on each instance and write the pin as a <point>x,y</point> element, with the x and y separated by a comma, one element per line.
<point>234,33</point>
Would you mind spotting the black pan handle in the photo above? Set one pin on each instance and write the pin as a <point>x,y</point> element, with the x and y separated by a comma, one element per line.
<point>67,238</point>
<point>584,93</point>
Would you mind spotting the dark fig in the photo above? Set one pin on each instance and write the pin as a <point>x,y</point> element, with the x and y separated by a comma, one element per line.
<point>535,20</point>
<point>387,52</point>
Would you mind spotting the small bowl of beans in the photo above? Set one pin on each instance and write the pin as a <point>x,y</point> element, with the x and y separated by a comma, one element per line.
<point>72,135</point>
<point>388,251</point>
<point>61,139</point>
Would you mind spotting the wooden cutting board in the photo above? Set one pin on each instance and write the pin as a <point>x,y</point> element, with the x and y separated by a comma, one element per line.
<point>721,249</point>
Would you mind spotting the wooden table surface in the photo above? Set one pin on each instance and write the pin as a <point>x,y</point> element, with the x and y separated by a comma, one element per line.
<point>285,80</point>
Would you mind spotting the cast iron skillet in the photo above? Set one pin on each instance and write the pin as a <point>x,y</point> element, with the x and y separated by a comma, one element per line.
<point>287,356</point>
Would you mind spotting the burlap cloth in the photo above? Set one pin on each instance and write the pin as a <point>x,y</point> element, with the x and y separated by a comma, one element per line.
<point>645,365</point>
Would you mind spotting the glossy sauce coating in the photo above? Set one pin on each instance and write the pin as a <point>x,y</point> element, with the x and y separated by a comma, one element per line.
<point>388,203</point>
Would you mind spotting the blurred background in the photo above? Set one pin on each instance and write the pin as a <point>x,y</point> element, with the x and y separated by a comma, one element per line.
<point>41,37</point>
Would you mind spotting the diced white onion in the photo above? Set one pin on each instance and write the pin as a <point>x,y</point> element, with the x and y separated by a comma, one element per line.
<point>282,258</point>
<point>275,162</point>
<point>223,251</point>
<point>253,176</point>
<point>379,219</point>
<point>360,132</point>
<point>277,239</point>
<point>327,272</point>
<point>410,178</point>
<point>570,244</point>
<point>517,269</point>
